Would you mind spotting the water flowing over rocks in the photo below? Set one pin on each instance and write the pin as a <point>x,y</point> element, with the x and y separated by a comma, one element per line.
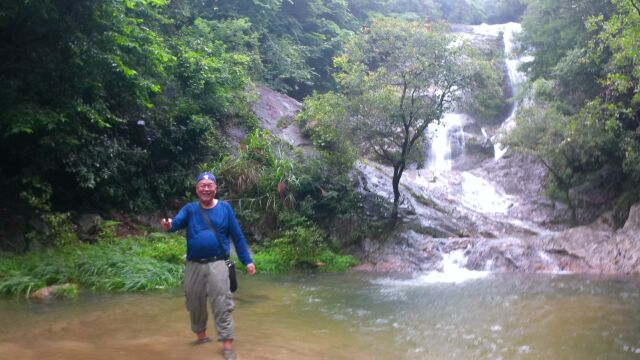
<point>479,200</point>
<point>494,211</point>
<point>523,231</point>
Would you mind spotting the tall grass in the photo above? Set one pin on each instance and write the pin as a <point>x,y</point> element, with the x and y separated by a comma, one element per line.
<point>147,263</point>
<point>128,264</point>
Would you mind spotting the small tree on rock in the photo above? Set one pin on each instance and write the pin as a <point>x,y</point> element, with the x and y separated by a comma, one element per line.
<point>400,76</point>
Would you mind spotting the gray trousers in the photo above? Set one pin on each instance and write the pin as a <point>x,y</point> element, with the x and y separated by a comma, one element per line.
<point>204,282</point>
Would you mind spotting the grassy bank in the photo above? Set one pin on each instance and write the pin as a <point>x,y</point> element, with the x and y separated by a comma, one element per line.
<point>130,264</point>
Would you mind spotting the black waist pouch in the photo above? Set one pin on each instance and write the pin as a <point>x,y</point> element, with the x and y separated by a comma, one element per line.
<point>233,282</point>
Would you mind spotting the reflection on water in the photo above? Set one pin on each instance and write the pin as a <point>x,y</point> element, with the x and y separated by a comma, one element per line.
<point>348,317</point>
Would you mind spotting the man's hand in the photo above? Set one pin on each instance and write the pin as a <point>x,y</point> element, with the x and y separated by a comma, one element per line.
<point>165,224</point>
<point>251,269</point>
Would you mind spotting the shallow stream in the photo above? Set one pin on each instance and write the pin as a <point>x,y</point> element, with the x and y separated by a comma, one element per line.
<point>348,316</point>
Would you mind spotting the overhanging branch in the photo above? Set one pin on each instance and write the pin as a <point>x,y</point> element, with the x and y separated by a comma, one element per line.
<point>636,6</point>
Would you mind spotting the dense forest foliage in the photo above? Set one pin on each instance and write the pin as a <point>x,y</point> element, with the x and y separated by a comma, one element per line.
<point>116,104</point>
<point>581,111</point>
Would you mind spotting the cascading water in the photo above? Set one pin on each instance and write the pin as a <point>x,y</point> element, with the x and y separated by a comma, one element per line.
<point>474,193</point>
<point>462,199</point>
<point>516,77</point>
<point>453,272</point>
<point>447,140</point>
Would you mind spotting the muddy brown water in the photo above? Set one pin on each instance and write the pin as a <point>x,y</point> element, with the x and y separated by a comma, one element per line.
<point>346,316</point>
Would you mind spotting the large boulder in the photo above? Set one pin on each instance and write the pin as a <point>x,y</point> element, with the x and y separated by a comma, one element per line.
<point>88,226</point>
<point>277,112</point>
<point>633,221</point>
<point>597,248</point>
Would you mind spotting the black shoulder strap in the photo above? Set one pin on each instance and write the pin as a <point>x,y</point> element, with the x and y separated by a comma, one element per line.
<point>213,229</point>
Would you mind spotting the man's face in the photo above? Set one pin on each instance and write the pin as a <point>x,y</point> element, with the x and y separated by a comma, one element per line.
<point>206,190</point>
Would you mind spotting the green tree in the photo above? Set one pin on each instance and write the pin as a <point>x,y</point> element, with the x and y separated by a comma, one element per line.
<point>552,28</point>
<point>619,36</point>
<point>502,11</point>
<point>400,76</point>
<point>581,117</point>
<point>78,76</point>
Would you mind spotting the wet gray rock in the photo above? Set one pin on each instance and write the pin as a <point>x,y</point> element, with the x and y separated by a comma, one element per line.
<point>597,247</point>
<point>407,252</point>
<point>476,145</point>
<point>524,176</point>
<point>12,234</point>
<point>87,226</point>
<point>508,255</point>
<point>633,221</point>
<point>477,141</point>
<point>277,113</point>
<point>233,133</point>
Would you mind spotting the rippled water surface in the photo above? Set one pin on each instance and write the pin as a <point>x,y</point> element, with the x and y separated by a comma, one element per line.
<point>348,316</point>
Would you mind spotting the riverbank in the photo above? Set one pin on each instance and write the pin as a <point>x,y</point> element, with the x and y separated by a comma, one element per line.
<point>131,264</point>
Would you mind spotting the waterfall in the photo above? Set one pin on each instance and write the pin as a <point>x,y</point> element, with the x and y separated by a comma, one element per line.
<point>515,77</point>
<point>447,141</point>
<point>456,206</point>
<point>448,136</point>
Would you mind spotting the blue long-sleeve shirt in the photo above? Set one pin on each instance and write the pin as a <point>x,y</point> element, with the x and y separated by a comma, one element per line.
<point>201,241</point>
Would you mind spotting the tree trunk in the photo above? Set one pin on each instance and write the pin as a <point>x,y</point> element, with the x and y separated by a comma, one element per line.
<point>396,198</point>
<point>564,186</point>
<point>572,206</point>
<point>398,169</point>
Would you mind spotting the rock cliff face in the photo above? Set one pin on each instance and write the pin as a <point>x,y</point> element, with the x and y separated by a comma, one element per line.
<point>597,248</point>
<point>530,234</point>
<point>277,113</point>
<point>493,210</point>
<point>497,213</point>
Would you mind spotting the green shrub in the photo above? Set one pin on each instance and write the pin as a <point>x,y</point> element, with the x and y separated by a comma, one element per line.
<point>333,262</point>
<point>325,120</point>
<point>271,262</point>
<point>622,205</point>
<point>301,247</point>
<point>107,230</point>
<point>485,98</point>
<point>130,264</point>
<point>58,231</point>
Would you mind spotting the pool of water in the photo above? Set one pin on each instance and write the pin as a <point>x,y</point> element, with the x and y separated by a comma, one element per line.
<point>347,316</point>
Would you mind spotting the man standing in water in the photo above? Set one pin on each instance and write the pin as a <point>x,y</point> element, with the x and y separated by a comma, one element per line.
<point>206,274</point>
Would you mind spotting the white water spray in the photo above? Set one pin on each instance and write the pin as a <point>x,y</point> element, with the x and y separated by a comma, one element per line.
<point>516,77</point>
<point>446,138</point>
<point>480,195</point>
<point>453,272</point>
